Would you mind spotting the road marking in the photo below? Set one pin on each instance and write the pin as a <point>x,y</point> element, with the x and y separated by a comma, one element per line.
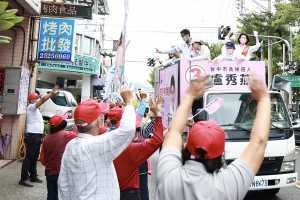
<point>298,186</point>
<point>298,181</point>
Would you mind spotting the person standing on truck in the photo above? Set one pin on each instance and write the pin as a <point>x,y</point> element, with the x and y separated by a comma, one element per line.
<point>185,48</point>
<point>230,54</point>
<point>199,51</point>
<point>195,173</point>
<point>243,39</point>
<point>33,138</point>
<point>171,61</point>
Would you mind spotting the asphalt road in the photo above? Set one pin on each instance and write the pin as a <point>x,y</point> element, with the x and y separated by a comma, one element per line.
<point>11,190</point>
<point>289,193</point>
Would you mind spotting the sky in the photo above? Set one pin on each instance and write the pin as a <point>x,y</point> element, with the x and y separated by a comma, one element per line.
<point>157,23</point>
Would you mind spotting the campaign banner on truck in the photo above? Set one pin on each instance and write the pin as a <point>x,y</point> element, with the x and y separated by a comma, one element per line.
<point>56,40</point>
<point>169,86</point>
<point>226,75</point>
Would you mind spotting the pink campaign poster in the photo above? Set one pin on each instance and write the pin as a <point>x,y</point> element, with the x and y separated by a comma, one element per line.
<point>169,87</point>
<point>226,75</point>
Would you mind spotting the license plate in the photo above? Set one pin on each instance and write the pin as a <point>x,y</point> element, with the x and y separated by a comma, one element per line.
<point>258,183</point>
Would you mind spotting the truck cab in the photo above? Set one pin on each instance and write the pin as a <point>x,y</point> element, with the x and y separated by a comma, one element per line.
<point>236,116</point>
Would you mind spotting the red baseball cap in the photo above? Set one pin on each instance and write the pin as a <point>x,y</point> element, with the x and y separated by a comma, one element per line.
<point>104,107</point>
<point>112,105</point>
<point>99,100</point>
<point>208,136</point>
<point>115,114</point>
<point>118,124</point>
<point>103,130</point>
<point>56,120</point>
<point>87,111</point>
<point>33,96</point>
<point>138,122</point>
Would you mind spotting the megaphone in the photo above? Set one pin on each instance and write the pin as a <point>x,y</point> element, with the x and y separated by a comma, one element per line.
<point>282,84</point>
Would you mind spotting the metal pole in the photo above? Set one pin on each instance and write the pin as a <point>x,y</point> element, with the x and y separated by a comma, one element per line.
<point>291,44</point>
<point>270,74</point>
<point>283,57</point>
<point>262,56</point>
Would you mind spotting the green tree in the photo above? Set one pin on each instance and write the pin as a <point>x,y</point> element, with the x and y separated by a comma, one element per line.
<point>273,24</point>
<point>151,77</point>
<point>8,19</point>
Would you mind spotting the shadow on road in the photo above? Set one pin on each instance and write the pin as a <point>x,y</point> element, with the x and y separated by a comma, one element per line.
<point>259,195</point>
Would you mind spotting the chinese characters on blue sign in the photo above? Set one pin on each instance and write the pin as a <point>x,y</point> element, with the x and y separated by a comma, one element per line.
<point>56,39</point>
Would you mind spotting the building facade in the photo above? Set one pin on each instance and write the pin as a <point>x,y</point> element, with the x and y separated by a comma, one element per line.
<point>21,52</point>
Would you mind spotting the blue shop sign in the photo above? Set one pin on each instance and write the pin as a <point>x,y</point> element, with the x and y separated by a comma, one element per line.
<point>56,41</point>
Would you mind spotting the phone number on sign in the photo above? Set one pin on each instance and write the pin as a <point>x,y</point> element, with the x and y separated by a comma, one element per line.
<point>54,56</point>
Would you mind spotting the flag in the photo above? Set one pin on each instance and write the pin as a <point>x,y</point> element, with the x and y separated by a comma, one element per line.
<point>109,79</point>
<point>120,58</point>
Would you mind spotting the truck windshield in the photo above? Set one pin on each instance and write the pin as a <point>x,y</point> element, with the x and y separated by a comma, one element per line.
<point>240,109</point>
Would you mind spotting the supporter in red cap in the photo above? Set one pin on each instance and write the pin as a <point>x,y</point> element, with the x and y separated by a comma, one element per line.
<point>114,115</point>
<point>111,105</point>
<point>127,164</point>
<point>52,150</point>
<point>195,173</point>
<point>105,108</point>
<point>87,169</point>
<point>33,137</point>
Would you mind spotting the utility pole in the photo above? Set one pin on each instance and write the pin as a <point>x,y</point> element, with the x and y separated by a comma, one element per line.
<point>270,74</point>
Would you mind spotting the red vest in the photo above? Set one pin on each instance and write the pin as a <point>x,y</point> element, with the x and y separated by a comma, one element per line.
<point>54,146</point>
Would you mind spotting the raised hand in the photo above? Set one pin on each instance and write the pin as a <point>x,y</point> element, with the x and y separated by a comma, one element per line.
<point>143,95</point>
<point>55,90</point>
<point>127,95</point>
<point>198,86</point>
<point>258,88</point>
<point>155,107</point>
<point>159,100</point>
<point>157,51</point>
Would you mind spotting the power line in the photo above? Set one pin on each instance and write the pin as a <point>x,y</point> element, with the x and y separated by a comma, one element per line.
<point>206,32</point>
<point>155,26</point>
<point>226,12</point>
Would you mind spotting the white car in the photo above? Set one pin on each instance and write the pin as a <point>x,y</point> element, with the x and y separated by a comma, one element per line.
<point>62,103</point>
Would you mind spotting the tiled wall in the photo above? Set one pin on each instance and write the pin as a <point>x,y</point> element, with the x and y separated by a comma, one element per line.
<point>15,125</point>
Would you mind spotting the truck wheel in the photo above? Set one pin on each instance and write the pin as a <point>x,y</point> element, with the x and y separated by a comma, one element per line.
<point>271,192</point>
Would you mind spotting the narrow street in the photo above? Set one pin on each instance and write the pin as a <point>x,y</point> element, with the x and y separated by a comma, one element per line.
<point>11,190</point>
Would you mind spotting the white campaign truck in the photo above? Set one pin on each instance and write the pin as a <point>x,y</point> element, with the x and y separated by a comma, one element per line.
<point>236,115</point>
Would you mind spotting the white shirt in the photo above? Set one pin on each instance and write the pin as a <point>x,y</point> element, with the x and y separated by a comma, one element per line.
<point>250,51</point>
<point>192,181</point>
<point>184,48</point>
<point>234,56</point>
<point>240,48</point>
<point>171,61</point>
<point>203,54</point>
<point>34,120</point>
<point>87,170</point>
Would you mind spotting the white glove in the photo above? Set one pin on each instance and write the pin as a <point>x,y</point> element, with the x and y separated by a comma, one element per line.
<point>255,33</point>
